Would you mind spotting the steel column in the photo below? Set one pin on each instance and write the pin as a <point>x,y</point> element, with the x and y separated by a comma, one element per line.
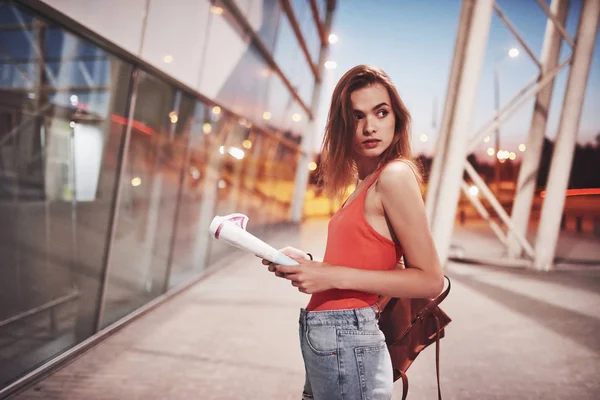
<point>456,70</point>
<point>308,141</point>
<point>526,182</point>
<point>444,212</point>
<point>562,157</point>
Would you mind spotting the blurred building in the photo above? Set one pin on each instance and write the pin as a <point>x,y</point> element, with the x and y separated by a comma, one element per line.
<point>125,126</point>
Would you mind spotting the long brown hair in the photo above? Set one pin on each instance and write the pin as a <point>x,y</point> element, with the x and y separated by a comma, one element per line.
<point>338,169</point>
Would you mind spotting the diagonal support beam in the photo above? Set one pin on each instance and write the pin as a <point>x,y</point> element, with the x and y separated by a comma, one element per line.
<point>519,38</point>
<point>484,213</point>
<point>86,73</point>
<point>515,103</point>
<point>35,46</point>
<point>485,190</point>
<point>559,26</point>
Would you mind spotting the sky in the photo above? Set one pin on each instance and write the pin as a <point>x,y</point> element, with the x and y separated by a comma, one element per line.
<point>413,42</point>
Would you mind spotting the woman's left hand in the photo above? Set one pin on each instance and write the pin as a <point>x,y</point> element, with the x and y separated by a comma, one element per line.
<point>309,276</point>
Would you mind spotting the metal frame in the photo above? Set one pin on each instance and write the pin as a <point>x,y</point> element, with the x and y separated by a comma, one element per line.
<point>307,154</point>
<point>287,8</point>
<point>110,242</point>
<point>65,23</point>
<point>544,79</point>
<point>257,41</point>
<point>320,28</point>
<point>557,24</point>
<point>526,181</point>
<point>36,310</point>
<point>69,355</point>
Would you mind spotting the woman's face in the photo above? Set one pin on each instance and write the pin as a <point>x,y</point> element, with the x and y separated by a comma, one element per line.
<point>375,121</point>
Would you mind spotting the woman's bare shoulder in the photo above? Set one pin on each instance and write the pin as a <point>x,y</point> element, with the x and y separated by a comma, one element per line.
<point>397,174</point>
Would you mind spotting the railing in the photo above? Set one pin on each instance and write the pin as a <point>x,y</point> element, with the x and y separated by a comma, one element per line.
<point>51,306</point>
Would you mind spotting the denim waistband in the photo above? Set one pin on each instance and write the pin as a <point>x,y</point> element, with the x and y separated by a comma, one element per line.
<point>354,317</point>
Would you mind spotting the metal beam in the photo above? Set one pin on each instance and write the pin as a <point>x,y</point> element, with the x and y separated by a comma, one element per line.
<point>287,8</point>
<point>264,51</point>
<point>441,147</point>
<point>526,182</point>
<point>515,103</point>
<point>483,212</point>
<point>514,31</point>
<point>559,22</point>
<point>562,156</point>
<point>444,212</point>
<point>315,13</point>
<point>485,190</point>
<point>308,141</point>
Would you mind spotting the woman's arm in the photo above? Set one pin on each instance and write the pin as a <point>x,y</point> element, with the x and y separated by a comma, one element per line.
<point>401,198</point>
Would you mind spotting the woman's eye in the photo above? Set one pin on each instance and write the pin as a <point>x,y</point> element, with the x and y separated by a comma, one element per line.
<point>382,113</point>
<point>358,117</point>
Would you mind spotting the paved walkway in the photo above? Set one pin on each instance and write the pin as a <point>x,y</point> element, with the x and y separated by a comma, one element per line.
<point>515,335</point>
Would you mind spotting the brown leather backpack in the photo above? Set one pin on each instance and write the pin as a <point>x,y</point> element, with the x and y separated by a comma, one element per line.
<point>409,326</point>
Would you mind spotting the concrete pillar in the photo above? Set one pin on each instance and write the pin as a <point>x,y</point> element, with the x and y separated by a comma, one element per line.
<point>444,212</point>
<point>308,141</point>
<point>562,158</point>
<point>439,158</point>
<point>531,158</point>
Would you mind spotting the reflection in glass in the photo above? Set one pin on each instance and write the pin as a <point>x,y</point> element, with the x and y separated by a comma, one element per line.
<point>292,61</point>
<point>198,193</point>
<point>148,197</point>
<point>62,107</point>
<point>308,27</point>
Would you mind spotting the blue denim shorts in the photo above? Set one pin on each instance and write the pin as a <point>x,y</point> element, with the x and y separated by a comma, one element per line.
<point>345,355</point>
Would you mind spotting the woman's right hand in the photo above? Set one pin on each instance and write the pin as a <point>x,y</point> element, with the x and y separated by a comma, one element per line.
<point>289,251</point>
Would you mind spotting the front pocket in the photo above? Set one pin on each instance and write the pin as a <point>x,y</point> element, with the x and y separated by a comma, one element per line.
<point>322,339</point>
<point>375,372</point>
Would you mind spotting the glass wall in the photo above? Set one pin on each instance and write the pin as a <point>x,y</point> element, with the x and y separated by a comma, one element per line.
<point>290,58</point>
<point>111,170</point>
<point>63,104</point>
<point>308,27</point>
<point>147,199</point>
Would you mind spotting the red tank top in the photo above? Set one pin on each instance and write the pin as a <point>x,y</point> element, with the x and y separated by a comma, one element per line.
<point>352,242</point>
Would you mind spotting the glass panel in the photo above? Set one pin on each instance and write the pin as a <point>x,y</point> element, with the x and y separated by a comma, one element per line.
<point>292,61</point>
<point>117,20</point>
<point>271,14</point>
<point>308,28</point>
<point>226,46</point>
<point>62,107</point>
<point>245,89</point>
<point>175,37</point>
<point>198,193</point>
<point>233,154</point>
<point>146,209</point>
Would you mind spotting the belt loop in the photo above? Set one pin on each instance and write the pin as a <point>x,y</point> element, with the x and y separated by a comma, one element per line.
<point>359,322</point>
<point>377,311</point>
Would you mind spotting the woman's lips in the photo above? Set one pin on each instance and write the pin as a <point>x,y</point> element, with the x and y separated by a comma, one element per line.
<point>370,144</point>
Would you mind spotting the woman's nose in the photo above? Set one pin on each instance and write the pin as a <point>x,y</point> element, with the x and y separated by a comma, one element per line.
<point>369,127</point>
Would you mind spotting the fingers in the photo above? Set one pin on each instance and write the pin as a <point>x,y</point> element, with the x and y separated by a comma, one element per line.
<point>288,269</point>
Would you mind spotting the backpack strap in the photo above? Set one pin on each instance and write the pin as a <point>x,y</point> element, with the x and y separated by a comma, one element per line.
<point>437,355</point>
<point>384,300</point>
<point>404,385</point>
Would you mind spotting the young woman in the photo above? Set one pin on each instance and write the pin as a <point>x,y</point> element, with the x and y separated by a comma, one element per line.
<point>367,141</point>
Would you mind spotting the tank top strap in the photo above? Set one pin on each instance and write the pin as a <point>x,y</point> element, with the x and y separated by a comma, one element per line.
<point>372,179</point>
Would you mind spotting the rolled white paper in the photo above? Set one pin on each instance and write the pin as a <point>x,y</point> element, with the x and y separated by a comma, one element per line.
<point>232,229</point>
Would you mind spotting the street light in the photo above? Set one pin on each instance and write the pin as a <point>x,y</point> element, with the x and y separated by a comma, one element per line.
<point>512,53</point>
